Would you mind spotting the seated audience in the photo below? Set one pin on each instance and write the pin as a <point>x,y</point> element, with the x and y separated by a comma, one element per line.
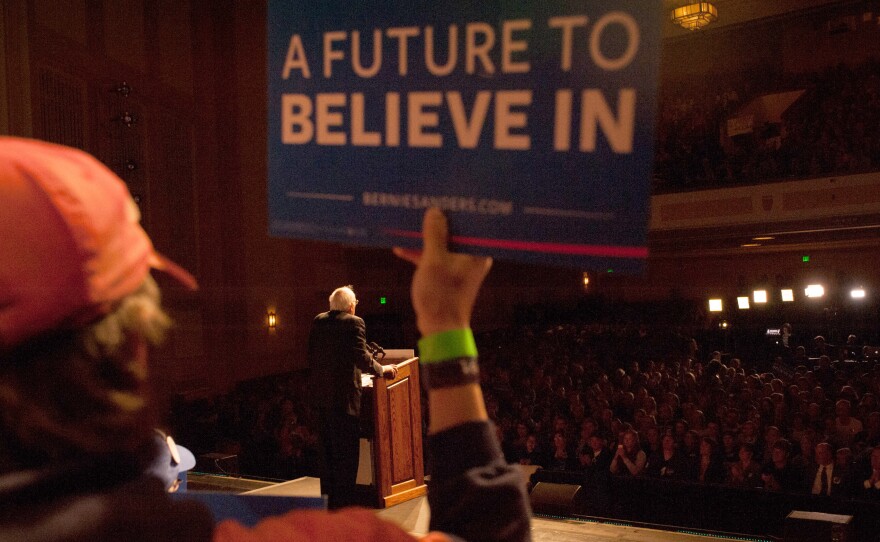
<point>846,426</point>
<point>561,457</point>
<point>595,456</point>
<point>746,472</point>
<point>710,466</point>
<point>778,474</point>
<point>867,485</point>
<point>668,463</point>
<point>629,460</point>
<point>825,477</point>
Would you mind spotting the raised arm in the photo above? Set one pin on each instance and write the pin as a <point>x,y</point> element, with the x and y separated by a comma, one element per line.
<point>473,492</point>
<point>444,290</point>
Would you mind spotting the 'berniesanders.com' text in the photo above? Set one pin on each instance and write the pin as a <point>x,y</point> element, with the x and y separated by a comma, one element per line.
<point>458,204</point>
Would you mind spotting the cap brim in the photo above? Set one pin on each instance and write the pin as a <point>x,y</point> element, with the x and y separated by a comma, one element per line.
<point>181,275</point>
<point>187,459</point>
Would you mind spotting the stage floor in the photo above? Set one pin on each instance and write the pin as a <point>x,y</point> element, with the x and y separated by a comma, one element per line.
<point>414,515</point>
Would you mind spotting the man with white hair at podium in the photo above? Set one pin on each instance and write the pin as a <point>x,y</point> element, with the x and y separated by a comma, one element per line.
<point>338,355</point>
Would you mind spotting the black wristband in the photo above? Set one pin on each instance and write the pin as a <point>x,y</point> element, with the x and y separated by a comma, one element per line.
<point>450,373</point>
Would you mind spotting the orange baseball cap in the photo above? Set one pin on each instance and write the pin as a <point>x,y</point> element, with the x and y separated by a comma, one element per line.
<point>71,244</point>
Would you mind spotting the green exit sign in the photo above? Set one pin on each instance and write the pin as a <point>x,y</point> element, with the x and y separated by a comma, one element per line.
<point>382,300</point>
<point>805,259</point>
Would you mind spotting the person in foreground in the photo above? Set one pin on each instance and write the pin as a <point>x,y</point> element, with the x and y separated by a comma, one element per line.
<point>78,311</point>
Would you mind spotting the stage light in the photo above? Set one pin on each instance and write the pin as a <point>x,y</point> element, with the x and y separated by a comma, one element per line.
<point>715,305</point>
<point>271,320</point>
<point>759,296</point>
<point>586,280</point>
<point>742,302</point>
<point>723,324</point>
<point>857,293</point>
<point>787,295</point>
<point>814,290</point>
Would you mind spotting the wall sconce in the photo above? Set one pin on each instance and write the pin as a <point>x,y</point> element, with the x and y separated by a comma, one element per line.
<point>271,320</point>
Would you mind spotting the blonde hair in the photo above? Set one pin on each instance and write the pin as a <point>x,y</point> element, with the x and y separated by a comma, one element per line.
<point>83,394</point>
<point>139,313</point>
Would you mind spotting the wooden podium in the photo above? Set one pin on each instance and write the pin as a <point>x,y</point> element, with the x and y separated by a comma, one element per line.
<point>398,471</point>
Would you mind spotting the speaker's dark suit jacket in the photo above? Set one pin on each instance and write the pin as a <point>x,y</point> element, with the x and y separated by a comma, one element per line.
<point>337,356</point>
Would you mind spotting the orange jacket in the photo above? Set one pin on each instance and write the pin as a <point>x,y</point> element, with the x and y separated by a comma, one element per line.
<point>319,526</point>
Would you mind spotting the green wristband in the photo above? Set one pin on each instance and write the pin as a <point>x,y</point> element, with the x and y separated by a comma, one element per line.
<point>455,343</point>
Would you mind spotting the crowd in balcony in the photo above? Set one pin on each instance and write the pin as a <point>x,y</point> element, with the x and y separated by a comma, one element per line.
<point>833,128</point>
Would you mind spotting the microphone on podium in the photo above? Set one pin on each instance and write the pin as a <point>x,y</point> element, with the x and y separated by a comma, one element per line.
<point>376,350</point>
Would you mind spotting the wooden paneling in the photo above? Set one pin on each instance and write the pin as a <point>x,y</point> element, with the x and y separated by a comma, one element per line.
<point>174,44</point>
<point>66,17</point>
<point>173,216</point>
<point>62,116</point>
<point>4,93</point>
<point>61,61</point>
<point>14,44</point>
<point>127,153</point>
<point>123,26</point>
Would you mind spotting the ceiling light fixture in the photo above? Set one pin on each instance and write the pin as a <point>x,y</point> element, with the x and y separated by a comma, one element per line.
<point>694,15</point>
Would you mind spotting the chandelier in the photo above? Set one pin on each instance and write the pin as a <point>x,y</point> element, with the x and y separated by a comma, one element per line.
<point>695,16</point>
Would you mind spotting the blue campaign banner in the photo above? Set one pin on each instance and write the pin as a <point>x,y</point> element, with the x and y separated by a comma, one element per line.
<point>530,123</point>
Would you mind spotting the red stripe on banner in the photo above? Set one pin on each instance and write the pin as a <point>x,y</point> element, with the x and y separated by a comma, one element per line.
<point>531,246</point>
